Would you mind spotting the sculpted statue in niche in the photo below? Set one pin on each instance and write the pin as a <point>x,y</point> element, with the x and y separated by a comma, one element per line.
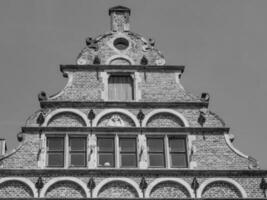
<point>115,120</point>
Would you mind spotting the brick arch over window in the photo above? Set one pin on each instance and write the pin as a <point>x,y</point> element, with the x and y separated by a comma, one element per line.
<point>129,186</point>
<point>179,116</point>
<point>124,112</point>
<point>73,186</point>
<point>178,187</point>
<point>221,187</point>
<point>17,187</point>
<point>72,114</point>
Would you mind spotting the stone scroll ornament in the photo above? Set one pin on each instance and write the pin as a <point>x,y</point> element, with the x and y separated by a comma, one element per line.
<point>87,55</point>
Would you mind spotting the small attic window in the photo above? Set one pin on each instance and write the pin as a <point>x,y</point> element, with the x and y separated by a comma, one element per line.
<point>121,43</point>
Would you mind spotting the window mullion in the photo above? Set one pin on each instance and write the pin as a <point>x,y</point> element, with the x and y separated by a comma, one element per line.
<point>66,152</point>
<point>167,150</point>
<point>117,153</point>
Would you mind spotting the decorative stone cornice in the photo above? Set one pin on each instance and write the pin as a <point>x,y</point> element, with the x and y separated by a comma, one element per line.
<point>135,172</point>
<point>131,130</point>
<point>122,104</point>
<point>143,68</point>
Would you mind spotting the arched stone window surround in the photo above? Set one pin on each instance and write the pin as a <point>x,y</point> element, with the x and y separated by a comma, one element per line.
<point>22,180</point>
<point>110,180</point>
<point>226,180</point>
<point>62,179</point>
<point>170,111</point>
<point>66,110</point>
<point>162,180</point>
<point>110,59</point>
<point>122,111</point>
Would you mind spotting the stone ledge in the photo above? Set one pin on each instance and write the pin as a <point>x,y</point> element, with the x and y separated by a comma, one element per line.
<point>123,67</point>
<point>139,105</point>
<point>133,172</point>
<point>130,198</point>
<point>134,130</point>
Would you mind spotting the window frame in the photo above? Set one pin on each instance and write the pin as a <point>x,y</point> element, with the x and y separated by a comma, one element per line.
<point>163,152</point>
<point>55,151</point>
<point>113,151</point>
<point>70,151</point>
<point>132,152</point>
<point>125,74</point>
<point>170,152</point>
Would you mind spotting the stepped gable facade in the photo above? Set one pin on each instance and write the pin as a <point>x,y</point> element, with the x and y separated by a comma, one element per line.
<point>124,127</point>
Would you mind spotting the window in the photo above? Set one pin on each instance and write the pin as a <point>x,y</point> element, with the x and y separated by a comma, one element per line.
<point>128,155</point>
<point>178,155</point>
<point>55,151</point>
<point>120,88</point>
<point>106,155</point>
<point>156,152</point>
<point>75,154</point>
<point>77,150</point>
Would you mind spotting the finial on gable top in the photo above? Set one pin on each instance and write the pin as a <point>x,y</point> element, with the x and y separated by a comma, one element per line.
<point>119,17</point>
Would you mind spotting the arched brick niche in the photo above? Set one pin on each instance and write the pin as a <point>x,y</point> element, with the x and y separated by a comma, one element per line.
<point>224,188</point>
<point>164,120</point>
<point>117,188</point>
<point>16,189</point>
<point>65,189</point>
<point>169,188</point>
<point>66,119</point>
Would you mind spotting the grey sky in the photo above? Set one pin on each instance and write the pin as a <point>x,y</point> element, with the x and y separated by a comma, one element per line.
<point>222,43</point>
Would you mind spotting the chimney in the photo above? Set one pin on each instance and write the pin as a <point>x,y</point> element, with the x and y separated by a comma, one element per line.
<point>119,16</point>
<point>3,146</point>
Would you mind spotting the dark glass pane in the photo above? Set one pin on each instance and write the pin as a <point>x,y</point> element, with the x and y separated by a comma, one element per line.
<point>128,145</point>
<point>156,145</point>
<point>128,160</point>
<point>178,160</point>
<point>56,159</point>
<point>77,144</point>
<point>156,160</point>
<point>106,144</point>
<point>177,144</point>
<point>77,160</point>
<point>55,144</point>
<point>106,160</point>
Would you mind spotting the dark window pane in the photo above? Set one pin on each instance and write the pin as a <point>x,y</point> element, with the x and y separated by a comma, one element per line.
<point>177,144</point>
<point>55,144</point>
<point>128,160</point>
<point>156,145</point>
<point>106,160</point>
<point>56,159</point>
<point>106,144</point>
<point>78,159</point>
<point>178,160</point>
<point>156,160</point>
<point>120,88</point>
<point>77,144</point>
<point>128,145</point>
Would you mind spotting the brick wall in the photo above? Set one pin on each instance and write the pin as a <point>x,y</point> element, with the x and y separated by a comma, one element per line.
<point>117,189</point>
<point>169,190</point>
<point>221,190</point>
<point>15,189</point>
<point>65,189</point>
